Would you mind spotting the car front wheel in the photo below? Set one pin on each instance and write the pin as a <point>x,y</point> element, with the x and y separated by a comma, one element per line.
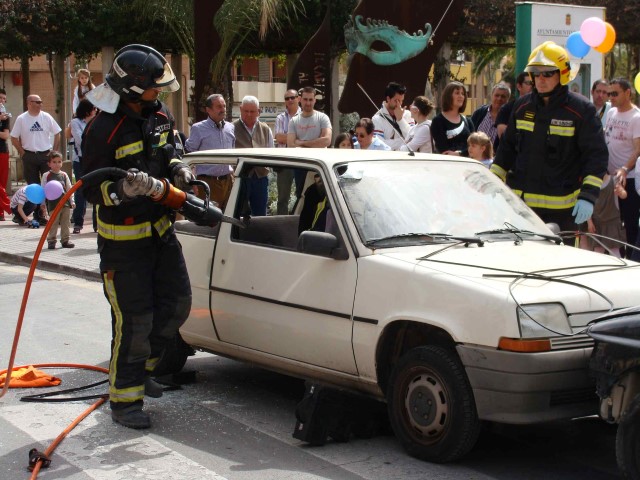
<point>431,405</point>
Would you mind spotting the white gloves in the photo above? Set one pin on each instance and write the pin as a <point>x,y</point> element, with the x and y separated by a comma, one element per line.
<point>138,184</point>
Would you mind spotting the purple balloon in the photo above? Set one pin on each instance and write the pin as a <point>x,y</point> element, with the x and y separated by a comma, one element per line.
<point>53,190</point>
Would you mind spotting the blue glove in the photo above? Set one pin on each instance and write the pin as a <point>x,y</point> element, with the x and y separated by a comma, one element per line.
<point>582,211</point>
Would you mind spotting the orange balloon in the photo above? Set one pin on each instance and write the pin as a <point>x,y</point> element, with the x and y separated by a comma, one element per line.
<point>609,39</point>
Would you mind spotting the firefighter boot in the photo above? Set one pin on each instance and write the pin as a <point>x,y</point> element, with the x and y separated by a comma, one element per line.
<point>131,417</point>
<point>152,388</point>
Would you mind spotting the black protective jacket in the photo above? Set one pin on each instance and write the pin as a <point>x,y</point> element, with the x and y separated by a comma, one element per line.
<point>126,139</point>
<point>557,151</point>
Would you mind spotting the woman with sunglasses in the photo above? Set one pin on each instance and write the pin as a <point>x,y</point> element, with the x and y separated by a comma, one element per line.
<point>450,128</point>
<point>366,139</point>
<point>554,144</point>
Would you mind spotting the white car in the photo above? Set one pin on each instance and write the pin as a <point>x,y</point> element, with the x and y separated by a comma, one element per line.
<point>424,282</point>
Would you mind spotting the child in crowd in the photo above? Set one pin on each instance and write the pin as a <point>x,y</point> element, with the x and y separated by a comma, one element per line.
<point>480,148</point>
<point>84,85</point>
<point>64,216</point>
<point>343,140</point>
<point>606,219</point>
<point>21,207</point>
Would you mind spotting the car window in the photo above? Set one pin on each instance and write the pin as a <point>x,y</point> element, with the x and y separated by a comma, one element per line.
<point>395,198</point>
<point>281,203</point>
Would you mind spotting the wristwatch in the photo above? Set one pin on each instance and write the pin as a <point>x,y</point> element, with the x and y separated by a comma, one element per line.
<point>626,170</point>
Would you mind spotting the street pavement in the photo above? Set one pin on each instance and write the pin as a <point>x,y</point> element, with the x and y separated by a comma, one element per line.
<point>18,246</point>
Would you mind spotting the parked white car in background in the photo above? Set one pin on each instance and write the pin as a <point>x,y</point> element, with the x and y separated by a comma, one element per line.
<point>433,288</point>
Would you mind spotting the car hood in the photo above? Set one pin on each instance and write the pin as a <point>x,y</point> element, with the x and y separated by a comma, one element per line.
<point>533,272</point>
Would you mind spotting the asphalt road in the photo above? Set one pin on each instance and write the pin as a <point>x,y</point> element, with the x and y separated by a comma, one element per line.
<point>235,422</point>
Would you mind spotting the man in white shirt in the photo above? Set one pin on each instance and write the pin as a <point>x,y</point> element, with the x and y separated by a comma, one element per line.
<point>622,133</point>
<point>31,136</point>
<point>392,122</point>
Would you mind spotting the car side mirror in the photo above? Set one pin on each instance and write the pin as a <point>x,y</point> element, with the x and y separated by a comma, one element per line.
<point>317,243</point>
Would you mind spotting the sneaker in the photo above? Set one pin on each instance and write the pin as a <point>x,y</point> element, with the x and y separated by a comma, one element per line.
<point>17,220</point>
<point>2,219</point>
<point>132,417</point>
<point>68,245</point>
<point>152,388</point>
<point>41,221</point>
<point>52,245</point>
<point>77,229</point>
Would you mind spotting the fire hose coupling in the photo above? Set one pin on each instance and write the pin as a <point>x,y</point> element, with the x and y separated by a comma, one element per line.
<point>35,456</point>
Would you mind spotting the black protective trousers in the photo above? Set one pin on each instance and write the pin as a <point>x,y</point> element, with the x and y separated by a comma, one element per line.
<point>150,296</point>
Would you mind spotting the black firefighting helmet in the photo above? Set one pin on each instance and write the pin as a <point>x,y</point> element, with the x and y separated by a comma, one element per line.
<point>137,68</point>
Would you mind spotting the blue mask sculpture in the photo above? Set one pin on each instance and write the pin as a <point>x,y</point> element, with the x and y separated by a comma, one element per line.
<point>360,37</point>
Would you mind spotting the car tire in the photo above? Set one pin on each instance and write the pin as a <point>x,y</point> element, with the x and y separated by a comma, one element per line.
<point>431,406</point>
<point>628,441</point>
<point>174,357</point>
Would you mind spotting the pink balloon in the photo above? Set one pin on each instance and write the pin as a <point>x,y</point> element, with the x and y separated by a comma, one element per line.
<point>53,190</point>
<point>593,31</point>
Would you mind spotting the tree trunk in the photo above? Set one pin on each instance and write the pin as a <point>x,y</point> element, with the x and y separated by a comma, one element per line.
<point>58,88</point>
<point>26,81</point>
<point>228,94</point>
<point>441,72</point>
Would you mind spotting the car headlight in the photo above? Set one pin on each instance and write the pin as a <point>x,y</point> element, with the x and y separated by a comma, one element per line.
<point>543,320</point>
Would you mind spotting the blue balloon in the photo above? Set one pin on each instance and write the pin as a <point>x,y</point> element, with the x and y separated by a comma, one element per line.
<point>576,45</point>
<point>34,193</point>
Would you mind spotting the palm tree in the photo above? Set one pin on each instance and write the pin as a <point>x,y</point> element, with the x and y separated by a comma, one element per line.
<point>235,22</point>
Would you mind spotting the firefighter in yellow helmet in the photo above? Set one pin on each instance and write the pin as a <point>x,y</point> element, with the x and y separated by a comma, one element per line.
<point>554,144</point>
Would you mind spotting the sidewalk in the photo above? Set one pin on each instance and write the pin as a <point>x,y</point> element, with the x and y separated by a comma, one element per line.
<point>18,245</point>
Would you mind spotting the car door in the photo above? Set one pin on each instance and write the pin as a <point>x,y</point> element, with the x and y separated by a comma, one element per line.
<point>266,296</point>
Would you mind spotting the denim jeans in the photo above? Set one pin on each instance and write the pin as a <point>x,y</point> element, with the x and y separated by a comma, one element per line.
<point>81,202</point>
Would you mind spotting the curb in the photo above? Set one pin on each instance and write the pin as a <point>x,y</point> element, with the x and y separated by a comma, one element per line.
<point>51,266</point>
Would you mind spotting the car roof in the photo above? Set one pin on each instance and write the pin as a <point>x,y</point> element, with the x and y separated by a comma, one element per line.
<point>329,156</point>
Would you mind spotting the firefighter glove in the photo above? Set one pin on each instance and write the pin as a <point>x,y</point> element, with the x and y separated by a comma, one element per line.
<point>182,177</point>
<point>138,183</point>
<point>582,211</point>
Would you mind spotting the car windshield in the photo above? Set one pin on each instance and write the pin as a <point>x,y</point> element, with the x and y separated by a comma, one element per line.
<point>417,201</point>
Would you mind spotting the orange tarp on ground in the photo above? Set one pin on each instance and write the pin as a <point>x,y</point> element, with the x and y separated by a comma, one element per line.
<point>29,377</point>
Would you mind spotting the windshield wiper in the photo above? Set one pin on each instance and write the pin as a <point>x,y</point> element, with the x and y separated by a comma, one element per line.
<point>434,236</point>
<point>517,232</point>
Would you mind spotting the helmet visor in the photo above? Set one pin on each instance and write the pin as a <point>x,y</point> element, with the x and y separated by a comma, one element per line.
<point>540,68</point>
<point>167,82</point>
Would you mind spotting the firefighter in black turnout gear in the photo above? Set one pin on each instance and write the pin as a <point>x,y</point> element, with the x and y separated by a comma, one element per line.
<point>554,144</point>
<point>143,271</point>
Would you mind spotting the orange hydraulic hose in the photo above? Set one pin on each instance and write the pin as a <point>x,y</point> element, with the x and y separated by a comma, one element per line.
<point>16,336</point>
<point>64,433</point>
<point>27,287</point>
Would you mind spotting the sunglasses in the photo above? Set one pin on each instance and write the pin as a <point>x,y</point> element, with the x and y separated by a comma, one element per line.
<point>36,101</point>
<point>527,82</point>
<point>361,135</point>
<point>612,94</point>
<point>290,98</point>
<point>544,74</point>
